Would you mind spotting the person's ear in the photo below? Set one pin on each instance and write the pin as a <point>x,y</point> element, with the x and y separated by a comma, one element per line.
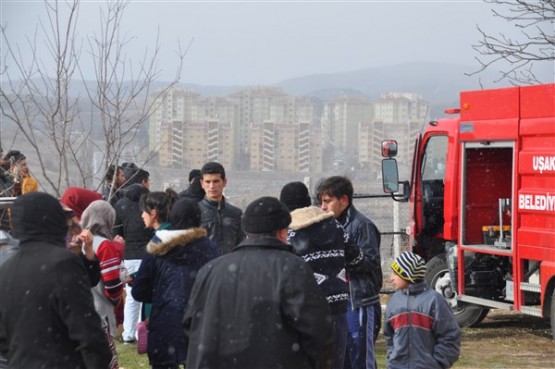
<point>345,201</point>
<point>281,234</point>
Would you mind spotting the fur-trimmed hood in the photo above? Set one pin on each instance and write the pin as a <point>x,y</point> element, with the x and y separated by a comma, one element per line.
<point>166,240</point>
<point>305,217</point>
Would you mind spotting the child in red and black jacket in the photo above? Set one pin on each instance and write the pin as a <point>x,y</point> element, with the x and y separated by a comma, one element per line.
<point>97,221</point>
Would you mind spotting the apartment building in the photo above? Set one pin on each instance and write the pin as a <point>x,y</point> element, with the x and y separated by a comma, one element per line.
<point>340,123</point>
<point>285,147</point>
<point>175,105</point>
<point>191,144</point>
<point>262,128</point>
<point>402,116</point>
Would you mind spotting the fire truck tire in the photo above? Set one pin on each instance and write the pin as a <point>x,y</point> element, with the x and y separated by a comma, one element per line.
<point>437,278</point>
<point>553,314</point>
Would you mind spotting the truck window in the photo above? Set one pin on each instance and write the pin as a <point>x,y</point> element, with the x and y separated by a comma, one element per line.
<point>433,174</point>
<point>433,161</point>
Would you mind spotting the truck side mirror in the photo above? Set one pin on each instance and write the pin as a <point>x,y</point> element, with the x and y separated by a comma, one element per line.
<point>389,148</point>
<point>390,175</point>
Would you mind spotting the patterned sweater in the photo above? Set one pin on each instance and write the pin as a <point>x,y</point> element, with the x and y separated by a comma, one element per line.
<point>323,243</point>
<point>110,289</point>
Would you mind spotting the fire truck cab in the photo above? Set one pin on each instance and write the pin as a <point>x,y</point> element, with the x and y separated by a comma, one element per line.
<point>482,202</point>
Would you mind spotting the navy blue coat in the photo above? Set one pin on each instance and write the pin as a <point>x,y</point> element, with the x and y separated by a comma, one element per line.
<point>365,278</point>
<point>165,279</point>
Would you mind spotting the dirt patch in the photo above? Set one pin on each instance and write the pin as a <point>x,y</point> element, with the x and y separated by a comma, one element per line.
<point>506,340</point>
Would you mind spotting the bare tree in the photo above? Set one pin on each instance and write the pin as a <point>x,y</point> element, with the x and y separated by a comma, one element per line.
<point>37,98</point>
<point>520,56</point>
<point>122,92</point>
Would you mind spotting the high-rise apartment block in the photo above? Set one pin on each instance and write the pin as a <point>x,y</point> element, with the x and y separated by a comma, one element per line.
<point>340,124</point>
<point>187,130</point>
<point>286,147</point>
<point>400,116</point>
<point>264,129</point>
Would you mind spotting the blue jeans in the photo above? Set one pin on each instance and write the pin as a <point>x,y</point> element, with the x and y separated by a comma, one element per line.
<point>364,326</point>
<point>340,327</point>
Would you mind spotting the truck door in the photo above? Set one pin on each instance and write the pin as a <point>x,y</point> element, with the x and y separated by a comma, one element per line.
<point>429,210</point>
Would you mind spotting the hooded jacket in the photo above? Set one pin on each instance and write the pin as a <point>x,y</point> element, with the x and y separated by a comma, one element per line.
<point>324,245</point>
<point>258,307</point>
<point>165,279</point>
<point>420,330</point>
<point>129,223</point>
<point>223,223</point>
<point>47,316</point>
<point>365,278</point>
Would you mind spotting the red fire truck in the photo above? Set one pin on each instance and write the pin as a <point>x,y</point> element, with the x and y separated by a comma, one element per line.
<point>482,202</point>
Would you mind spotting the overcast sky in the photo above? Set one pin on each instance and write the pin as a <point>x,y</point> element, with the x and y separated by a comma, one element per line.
<point>264,42</point>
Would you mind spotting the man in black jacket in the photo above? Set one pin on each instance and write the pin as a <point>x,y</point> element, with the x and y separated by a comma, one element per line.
<point>130,225</point>
<point>221,219</point>
<point>365,279</point>
<point>47,315</point>
<point>259,306</point>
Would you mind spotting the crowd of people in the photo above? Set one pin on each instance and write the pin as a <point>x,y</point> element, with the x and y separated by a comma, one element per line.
<point>293,281</point>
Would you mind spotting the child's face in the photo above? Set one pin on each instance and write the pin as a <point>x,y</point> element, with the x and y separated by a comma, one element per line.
<point>398,282</point>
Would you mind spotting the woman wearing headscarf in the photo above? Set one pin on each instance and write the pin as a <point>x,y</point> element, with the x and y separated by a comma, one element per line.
<point>74,201</point>
<point>97,222</point>
<point>166,277</point>
<point>78,199</point>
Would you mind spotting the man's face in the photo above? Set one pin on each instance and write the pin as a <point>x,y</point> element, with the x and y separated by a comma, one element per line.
<point>213,185</point>
<point>120,178</point>
<point>335,204</point>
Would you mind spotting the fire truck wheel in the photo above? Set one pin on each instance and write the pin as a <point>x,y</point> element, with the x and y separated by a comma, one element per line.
<point>437,278</point>
<point>553,314</point>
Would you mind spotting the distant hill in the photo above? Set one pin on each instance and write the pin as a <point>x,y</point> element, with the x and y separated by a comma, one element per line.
<point>439,83</point>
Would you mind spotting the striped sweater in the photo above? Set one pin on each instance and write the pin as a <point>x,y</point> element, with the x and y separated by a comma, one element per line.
<point>110,289</point>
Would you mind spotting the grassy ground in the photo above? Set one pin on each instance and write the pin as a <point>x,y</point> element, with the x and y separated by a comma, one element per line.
<point>129,359</point>
<point>504,340</point>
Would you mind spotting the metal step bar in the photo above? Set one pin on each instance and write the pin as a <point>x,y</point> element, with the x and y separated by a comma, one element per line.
<point>528,310</point>
<point>530,287</point>
<point>532,310</point>
<point>485,302</point>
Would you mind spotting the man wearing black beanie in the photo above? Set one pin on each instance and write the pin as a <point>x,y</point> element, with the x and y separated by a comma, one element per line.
<point>259,306</point>
<point>47,314</point>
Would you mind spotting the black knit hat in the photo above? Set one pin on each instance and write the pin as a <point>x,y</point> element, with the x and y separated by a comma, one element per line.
<point>295,196</point>
<point>265,215</point>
